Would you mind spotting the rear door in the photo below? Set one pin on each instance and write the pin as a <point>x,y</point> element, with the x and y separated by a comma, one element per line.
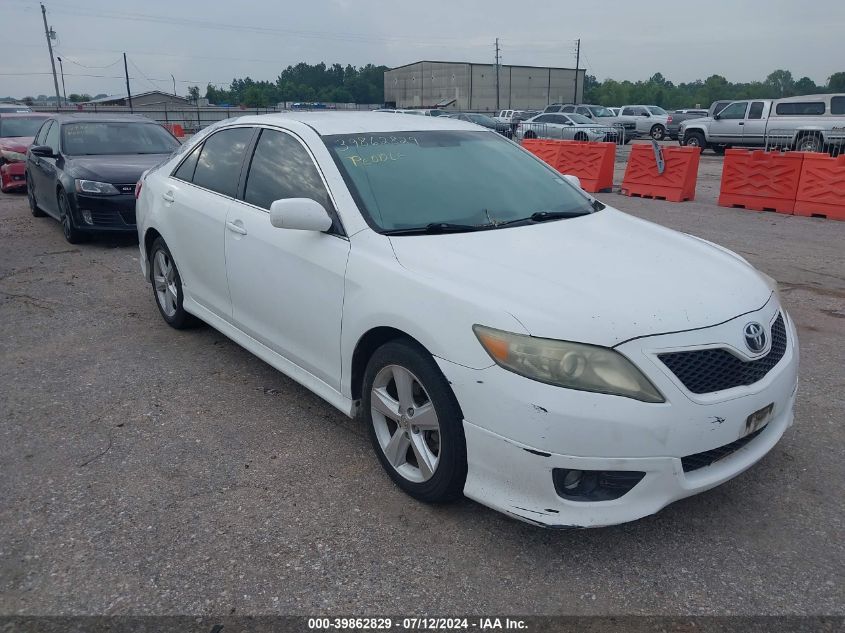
<point>754,130</point>
<point>287,285</point>
<point>197,197</point>
<point>728,128</point>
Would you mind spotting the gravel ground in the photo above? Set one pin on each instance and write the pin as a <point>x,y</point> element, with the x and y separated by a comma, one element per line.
<point>150,471</point>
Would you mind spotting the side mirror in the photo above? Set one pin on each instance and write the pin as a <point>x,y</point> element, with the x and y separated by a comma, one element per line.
<point>302,214</point>
<point>575,181</point>
<point>45,151</point>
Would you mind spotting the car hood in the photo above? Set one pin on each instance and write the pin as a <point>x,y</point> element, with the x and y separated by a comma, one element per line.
<point>16,143</point>
<point>604,278</point>
<point>119,168</point>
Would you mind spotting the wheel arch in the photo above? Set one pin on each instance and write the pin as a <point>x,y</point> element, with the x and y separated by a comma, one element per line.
<point>149,237</point>
<point>366,346</point>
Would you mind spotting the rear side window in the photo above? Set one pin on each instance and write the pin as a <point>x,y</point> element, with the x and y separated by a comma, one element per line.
<point>568,109</point>
<point>280,169</point>
<point>543,118</point>
<point>837,105</point>
<point>799,108</point>
<point>219,164</point>
<point>756,110</point>
<point>734,111</point>
<point>186,169</point>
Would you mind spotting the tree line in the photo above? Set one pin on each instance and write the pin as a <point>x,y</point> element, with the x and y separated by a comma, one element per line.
<point>303,82</point>
<point>659,91</point>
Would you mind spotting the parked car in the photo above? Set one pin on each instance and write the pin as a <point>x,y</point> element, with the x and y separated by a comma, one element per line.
<point>651,120</point>
<point>615,111</point>
<point>603,116</point>
<point>482,119</point>
<point>6,107</point>
<point>16,133</point>
<point>82,170</point>
<point>574,127</point>
<point>811,123</point>
<point>428,276</point>
<point>675,118</point>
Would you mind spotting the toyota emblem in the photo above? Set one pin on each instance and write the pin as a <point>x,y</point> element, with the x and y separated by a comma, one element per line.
<point>755,337</point>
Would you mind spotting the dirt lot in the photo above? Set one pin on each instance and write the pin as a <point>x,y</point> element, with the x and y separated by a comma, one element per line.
<point>147,471</point>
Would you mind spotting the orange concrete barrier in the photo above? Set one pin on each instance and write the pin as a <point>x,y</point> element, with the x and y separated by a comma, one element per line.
<point>547,151</point>
<point>591,162</point>
<point>760,181</point>
<point>821,190</point>
<point>175,129</point>
<point>676,183</point>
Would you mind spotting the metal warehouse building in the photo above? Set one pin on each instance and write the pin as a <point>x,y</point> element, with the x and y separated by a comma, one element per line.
<point>473,86</point>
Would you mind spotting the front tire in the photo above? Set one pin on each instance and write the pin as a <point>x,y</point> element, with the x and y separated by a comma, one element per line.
<point>167,287</point>
<point>30,197</point>
<point>72,234</point>
<point>695,139</point>
<point>414,422</point>
<point>658,132</point>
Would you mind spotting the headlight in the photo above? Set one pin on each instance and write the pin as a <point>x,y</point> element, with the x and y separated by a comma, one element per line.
<point>565,364</point>
<point>12,157</point>
<point>92,186</point>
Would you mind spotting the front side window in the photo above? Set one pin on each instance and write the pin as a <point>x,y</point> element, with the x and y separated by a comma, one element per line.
<point>734,111</point>
<point>42,133</point>
<point>280,169</point>
<point>657,111</point>
<point>53,138</point>
<point>219,164</point>
<point>600,111</point>
<point>99,138</point>
<point>579,118</point>
<point>416,180</point>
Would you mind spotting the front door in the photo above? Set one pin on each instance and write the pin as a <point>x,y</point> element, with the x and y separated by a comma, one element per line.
<point>287,285</point>
<point>727,129</point>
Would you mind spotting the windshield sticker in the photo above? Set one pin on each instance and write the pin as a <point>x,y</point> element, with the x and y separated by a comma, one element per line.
<point>357,142</point>
<point>374,159</point>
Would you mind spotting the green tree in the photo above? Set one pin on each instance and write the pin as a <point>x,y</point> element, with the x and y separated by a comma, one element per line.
<point>194,93</point>
<point>782,83</point>
<point>836,82</point>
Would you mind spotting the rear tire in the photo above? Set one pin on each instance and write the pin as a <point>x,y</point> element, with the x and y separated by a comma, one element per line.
<point>580,136</point>
<point>428,461</point>
<point>530,134</point>
<point>719,149</point>
<point>167,287</point>
<point>809,143</point>
<point>30,197</point>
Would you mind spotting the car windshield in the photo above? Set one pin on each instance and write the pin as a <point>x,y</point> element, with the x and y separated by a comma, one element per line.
<point>20,126</point>
<point>600,111</point>
<point>658,111</point>
<point>579,118</point>
<point>413,180</point>
<point>116,137</point>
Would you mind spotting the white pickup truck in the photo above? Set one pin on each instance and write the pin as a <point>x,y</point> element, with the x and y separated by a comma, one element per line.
<point>812,123</point>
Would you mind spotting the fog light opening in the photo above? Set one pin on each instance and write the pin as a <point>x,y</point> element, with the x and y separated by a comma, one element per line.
<point>594,485</point>
<point>86,217</point>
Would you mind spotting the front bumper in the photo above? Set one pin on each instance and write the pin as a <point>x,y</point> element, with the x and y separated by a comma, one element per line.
<point>13,176</point>
<point>107,214</point>
<point>518,431</point>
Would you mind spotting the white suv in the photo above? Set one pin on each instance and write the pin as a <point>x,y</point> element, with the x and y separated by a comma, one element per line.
<point>651,120</point>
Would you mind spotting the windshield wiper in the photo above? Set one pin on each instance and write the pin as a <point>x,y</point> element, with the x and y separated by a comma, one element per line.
<point>437,227</point>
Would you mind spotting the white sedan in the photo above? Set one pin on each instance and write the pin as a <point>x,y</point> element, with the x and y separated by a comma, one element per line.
<point>501,334</point>
<point>573,127</point>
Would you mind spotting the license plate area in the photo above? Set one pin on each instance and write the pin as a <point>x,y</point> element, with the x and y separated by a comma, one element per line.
<point>758,419</point>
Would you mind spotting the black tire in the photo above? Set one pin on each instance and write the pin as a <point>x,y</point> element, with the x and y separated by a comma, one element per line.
<point>695,139</point>
<point>530,134</point>
<point>72,234</point>
<point>30,197</point>
<point>447,482</point>
<point>179,319</point>
<point>658,132</point>
<point>809,143</point>
<point>580,136</point>
<point>719,149</point>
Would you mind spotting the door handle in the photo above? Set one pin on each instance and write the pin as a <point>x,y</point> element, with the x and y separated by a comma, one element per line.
<point>742,122</point>
<point>236,228</point>
<point>168,197</point>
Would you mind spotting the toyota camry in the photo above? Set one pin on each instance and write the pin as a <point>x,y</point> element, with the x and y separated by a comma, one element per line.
<point>502,334</point>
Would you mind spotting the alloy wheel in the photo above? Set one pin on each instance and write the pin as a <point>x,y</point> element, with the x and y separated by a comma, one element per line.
<point>164,281</point>
<point>405,423</point>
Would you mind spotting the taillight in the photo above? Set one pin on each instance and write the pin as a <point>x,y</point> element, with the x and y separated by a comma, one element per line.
<point>669,119</point>
<point>138,186</point>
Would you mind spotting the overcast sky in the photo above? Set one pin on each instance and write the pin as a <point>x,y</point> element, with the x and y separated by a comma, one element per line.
<point>206,41</point>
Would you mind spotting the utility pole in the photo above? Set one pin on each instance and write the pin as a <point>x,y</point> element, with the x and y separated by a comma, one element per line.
<point>174,84</point>
<point>577,63</point>
<point>62,70</point>
<point>497,76</point>
<point>50,33</point>
<point>128,92</point>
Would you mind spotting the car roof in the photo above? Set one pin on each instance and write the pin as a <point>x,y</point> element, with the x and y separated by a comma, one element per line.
<point>367,122</point>
<point>78,117</point>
